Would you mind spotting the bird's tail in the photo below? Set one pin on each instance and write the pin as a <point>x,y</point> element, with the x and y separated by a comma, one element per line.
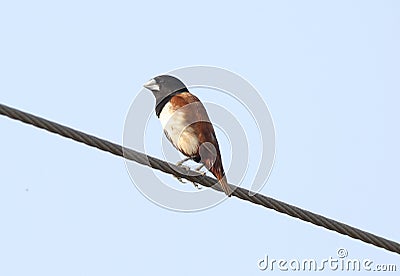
<point>215,167</point>
<point>225,186</point>
<point>218,172</point>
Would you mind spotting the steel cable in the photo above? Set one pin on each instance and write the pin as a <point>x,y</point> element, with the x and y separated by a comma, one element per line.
<point>193,176</point>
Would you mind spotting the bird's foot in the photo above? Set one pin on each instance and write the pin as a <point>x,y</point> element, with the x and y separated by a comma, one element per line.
<point>197,186</point>
<point>180,179</point>
<point>187,168</point>
<point>198,169</point>
<point>180,163</point>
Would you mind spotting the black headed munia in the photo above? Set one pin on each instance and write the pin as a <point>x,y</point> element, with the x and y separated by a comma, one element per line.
<point>186,124</point>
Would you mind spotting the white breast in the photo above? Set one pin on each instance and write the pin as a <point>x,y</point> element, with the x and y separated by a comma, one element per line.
<point>178,131</point>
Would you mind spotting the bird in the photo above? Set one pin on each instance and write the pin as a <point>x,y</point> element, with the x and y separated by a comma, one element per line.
<point>187,126</point>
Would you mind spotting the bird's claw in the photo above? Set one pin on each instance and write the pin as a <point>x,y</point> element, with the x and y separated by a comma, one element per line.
<point>196,186</point>
<point>187,168</point>
<point>180,163</point>
<point>180,179</point>
<point>202,173</point>
<point>198,169</point>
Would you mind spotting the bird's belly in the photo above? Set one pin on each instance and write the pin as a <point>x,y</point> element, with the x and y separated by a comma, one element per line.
<point>178,131</point>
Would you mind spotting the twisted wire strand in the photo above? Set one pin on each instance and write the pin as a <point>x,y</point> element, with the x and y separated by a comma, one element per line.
<point>193,176</point>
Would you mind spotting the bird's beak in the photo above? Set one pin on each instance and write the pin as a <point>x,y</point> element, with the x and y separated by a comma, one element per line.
<point>152,85</point>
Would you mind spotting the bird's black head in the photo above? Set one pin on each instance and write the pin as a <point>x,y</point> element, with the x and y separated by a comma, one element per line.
<point>163,88</point>
<point>164,85</point>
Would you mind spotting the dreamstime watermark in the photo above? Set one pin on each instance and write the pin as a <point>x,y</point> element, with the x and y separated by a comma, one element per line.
<point>341,262</point>
<point>238,113</point>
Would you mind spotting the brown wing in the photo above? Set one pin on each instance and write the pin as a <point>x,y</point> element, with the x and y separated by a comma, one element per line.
<point>199,123</point>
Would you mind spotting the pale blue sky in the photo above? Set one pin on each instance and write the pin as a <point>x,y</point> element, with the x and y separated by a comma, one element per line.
<point>328,70</point>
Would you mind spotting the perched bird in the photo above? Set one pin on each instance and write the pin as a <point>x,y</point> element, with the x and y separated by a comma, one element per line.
<point>186,124</point>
